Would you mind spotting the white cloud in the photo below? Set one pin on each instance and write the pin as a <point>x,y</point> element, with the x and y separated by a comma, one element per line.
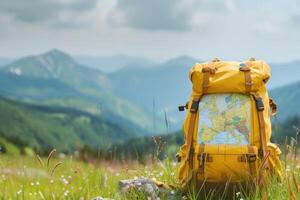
<point>158,29</point>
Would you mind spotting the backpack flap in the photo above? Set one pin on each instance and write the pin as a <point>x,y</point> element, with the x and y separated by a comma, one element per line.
<point>228,76</point>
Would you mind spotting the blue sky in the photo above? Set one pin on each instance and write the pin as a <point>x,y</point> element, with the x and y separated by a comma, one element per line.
<point>157,29</point>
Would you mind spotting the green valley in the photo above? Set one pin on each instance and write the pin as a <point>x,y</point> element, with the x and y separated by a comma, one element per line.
<point>44,127</point>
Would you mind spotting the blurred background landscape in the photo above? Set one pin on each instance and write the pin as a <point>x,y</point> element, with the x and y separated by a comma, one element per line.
<point>55,100</point>
<point>104,78</point>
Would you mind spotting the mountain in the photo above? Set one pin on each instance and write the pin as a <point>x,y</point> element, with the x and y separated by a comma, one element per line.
<point>44,127</point>
<point>288,99</point>
<point>111,64</point>
<point>284,73</point>
<point>4,61</point>
<point>55,78</point>
<point>166,85</point>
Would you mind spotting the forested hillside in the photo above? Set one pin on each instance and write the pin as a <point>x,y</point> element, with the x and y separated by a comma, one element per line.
<point>44,127</point>
<point>288,100</point>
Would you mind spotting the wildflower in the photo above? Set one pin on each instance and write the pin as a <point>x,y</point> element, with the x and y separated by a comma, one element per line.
<point>37,183</point>
<point>32,183</point>
<point>238,194</point>
<point>172,192</point>
<point>65,181</point>
<point>66,193</point>
<point>51,181</point>
<point>19,192</point>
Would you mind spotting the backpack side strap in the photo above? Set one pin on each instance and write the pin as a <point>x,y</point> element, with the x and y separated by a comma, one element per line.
<point>245,67</point>
<point>207,71</point>
<point>251,160</point>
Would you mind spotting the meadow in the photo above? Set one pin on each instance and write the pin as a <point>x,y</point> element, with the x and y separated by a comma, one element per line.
<point>65,177</point>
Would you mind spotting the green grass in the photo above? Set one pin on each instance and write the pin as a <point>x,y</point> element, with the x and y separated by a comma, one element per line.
<point>24,177</point>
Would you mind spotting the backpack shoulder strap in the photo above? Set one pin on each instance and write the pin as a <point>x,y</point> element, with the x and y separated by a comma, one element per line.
<point>207,72</point>
<point>260,110</point>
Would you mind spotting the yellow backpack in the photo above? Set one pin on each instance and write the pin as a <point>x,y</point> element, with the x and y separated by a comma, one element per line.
<point>227,128</point>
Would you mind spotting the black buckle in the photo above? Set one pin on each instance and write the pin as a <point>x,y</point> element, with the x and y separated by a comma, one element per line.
<point>202,158</point>
<point>194,107</point>
<point>259,104</point>
<point>183,107</point>
<point>251,157</point>
<point>260,153</point>
<point>244,67</point>
<point>192,152</point>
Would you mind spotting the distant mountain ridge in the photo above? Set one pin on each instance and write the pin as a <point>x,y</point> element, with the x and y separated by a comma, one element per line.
<point>67,83</point>
<point>284,74</point>
<point>111,64</point>
<point>5,60</point>
<point>288,99</point>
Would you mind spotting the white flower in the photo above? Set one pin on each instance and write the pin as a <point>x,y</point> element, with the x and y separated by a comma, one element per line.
<point>65,181</point>
<point>19,192</point>
<point>37,183</point>
<point>66,193</point>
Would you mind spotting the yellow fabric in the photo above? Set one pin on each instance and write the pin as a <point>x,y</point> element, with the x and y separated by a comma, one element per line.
<point>225,163</point>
